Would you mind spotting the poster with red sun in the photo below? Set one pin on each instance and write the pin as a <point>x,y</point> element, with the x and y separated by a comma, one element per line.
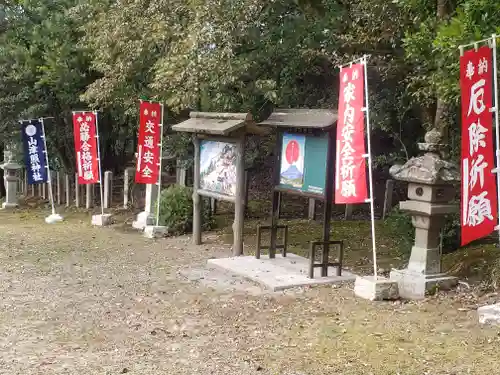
<point>292,160</point>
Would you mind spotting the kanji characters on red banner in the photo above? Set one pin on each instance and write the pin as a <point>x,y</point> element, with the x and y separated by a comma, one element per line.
<point>350,171</point>
<point>479,201</point>
<point>148,148</point>
<point>84,128</point>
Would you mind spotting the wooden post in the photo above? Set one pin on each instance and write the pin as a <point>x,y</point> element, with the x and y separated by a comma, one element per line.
<point>44,190</point>
<point>40,190</point>
<point>239,204</point>
<point>58,187</point>
<point>88,195</point>
<point>196,197</point>
<point>77,191</point>
<point>247,188</point>
<point>311,215</point>
<point>67,187</point>
<point>348,211</point>
<point>327,210</point>
<point>389,190</point>
<point>25,182</point>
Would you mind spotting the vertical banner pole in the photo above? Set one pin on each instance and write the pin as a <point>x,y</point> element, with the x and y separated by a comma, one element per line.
<point>49,177</point>
<point>160,166</point>
<point>99,159</point>
<point>370,177</point>
<point>497,125</point>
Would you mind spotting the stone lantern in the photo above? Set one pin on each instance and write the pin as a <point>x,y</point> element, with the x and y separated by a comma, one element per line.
<point>10,168</point>
<point>431,187</point>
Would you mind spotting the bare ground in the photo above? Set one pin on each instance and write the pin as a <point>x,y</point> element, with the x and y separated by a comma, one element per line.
<point>83,300</point>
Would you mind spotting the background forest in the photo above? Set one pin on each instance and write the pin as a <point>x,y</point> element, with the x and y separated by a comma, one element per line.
<point>226,55</point>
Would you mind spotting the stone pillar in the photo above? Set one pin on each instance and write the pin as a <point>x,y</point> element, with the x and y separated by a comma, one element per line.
<point>67,187</point>
<point>108,177</point>
<point>58,187</point>
<point>127,178</point>
<point>430,190</point>
<point>146,217</point>
<point>77,191</point>
<point>11,180</point>
<point>89,189</point>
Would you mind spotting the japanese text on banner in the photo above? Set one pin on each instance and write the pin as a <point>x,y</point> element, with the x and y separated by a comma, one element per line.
<point>148,145</point>
<point>87,165</point>
<point>34,151</point>
<point>479,202</point>
<point>350,171</point>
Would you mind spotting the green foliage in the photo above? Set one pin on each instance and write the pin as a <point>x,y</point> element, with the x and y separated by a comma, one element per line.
<point>176,210</point>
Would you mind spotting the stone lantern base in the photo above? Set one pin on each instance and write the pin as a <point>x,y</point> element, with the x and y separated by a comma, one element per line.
<point>415,286</point>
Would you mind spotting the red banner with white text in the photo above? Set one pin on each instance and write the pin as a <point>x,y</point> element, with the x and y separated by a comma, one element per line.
<point>87,164</point>
<point>148,146</point>
<point>350,171</point>
<point>478,200</point>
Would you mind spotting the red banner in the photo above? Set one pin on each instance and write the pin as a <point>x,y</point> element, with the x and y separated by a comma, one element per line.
<point>350,171</point>
<point>84,128</point>
<point>148,148</point>
<point>479,201</point>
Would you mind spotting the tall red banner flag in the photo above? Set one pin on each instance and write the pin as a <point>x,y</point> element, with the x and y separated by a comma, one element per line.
<point>84,129</point>
<point>350,171</point>
<point>148,148</point>
<point>479,202</point>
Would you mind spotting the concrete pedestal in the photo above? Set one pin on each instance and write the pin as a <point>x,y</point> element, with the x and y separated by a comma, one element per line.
<point>376,288</point>
<point>146,217</point>
<point>53,218</point>
<point>143,220</point>
<point>153,231</point>
<point>101,220</point>
<point>415,286</point>
<point>489,314</point>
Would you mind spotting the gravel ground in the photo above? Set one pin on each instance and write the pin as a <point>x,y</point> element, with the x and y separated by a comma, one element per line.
<point>83,300</point>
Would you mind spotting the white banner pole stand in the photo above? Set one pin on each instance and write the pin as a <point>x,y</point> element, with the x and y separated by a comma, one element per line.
<point>54,217</point>
<point>373,288</point>
<point>102,219</point>
<point>156,231</point>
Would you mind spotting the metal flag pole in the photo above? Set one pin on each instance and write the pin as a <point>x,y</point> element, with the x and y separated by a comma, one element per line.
<point>370,176</point>
<point>99,161</point>
<point>497,125</point>
<point>159,166</point>
<point>54,217</point>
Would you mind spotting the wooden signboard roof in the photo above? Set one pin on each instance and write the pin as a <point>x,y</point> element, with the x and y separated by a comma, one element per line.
<point>217,123</point>
<point>301,118</point>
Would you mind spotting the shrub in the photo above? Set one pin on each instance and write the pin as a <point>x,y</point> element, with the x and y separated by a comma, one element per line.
<point>176,210</point>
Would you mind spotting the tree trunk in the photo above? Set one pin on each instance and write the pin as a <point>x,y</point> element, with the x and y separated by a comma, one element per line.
<point>442,108</point>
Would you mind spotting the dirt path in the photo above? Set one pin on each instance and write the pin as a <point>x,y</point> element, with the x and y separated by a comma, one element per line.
<point>82,300</point>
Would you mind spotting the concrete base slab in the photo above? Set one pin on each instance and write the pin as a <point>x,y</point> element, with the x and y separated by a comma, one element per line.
<point>143,220</point>
<point>279,273</point>
<point>101,220</point>
<point>153,231</point>
<point>376,288</point>
<point>489,314</point>
<point>9,206</point>
<point>53,218</point>
<point>415,286</point>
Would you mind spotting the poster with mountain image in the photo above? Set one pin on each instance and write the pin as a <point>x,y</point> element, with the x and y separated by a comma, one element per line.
<point>218,167</point>
<point>292,160</point>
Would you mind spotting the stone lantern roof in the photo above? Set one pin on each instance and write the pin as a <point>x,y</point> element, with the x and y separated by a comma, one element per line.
<point>430,168</point>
